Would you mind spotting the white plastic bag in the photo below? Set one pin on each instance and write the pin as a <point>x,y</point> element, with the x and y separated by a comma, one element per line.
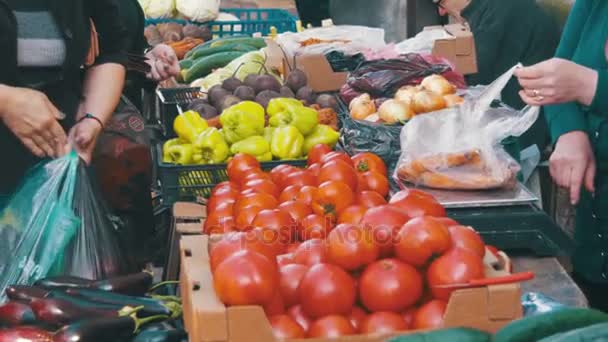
<point>460,148</point>
<point>423,42</point>
<point>198,10</point>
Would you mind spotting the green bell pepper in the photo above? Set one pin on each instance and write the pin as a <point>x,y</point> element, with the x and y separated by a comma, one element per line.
<point>242,121</point>
<point>322,134</point>
<point>255,146</point>
<point>287,143</point>
<point>176,151</point>
<point>210,147</point>
<point>290,112</point>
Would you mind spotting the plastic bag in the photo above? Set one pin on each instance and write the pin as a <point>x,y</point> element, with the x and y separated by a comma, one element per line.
<point>198,10</point>
<point>536,303</point>
<point>423,42</point>
<point>459,148</point>
<point>38,222</point>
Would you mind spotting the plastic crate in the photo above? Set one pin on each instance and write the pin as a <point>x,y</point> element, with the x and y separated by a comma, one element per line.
<point>169,99</point>
<point>251,20</point>
<point>189,182</point>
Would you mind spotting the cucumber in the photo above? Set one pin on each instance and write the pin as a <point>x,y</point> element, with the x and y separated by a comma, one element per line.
<point>592,333</point>
<point>205,65</point>
<point>223,48</point>
<point>446,335</point>
<point>207,44</point>
<point>255,42</point>
<point>537,327</point>
<point>185,64</point>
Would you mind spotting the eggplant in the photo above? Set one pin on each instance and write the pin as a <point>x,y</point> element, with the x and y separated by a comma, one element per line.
<point>157,326</point>
<point>151,306</point>
<point>98,330</point>
<point>63,282</point>
<point>173,335</point>
<point>13,314</point>
<point>25,294</point>
<point>60,312</point>
<point>83,303</point>
<point>25,334</point>
<point>136,284</point>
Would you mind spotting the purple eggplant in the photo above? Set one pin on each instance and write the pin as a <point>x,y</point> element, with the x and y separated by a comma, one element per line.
<point>13,314</point>
<point>60,312</point>
<point>25,294</point>
<point>25,334</point>
<point>136,284</point>
<point>149,306</point>
<point>63,282</point>
<point>103,329</point>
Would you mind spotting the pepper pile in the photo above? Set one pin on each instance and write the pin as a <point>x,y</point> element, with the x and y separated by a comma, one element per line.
<point>292,130</point>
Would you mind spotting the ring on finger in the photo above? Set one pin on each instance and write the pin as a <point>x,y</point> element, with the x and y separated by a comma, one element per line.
<point>535,93</point>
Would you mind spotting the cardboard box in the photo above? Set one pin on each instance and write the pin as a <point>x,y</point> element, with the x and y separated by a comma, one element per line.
<point>188,219</point>
<point>458,49</point>
<point>321,77</point>
<point>208,320</point>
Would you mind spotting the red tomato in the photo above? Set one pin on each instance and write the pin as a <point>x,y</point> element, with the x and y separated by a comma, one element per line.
<point>285,327</point>
<point>234,242</point>
<point>276,306</point>
<point>337,156</point>
<point>219,225</point>
<point>222,212</point>
<point>222,195</point>
<point>292,247</point>
<point>373,181</point>
<point>337,170</point>
<point>367,161</point>
<point>448,222</point>
<point>300,178</point>
<point>383,322</point>
<point>240,165</point>
<point>311,252</point>
<point>356,317</point>
<point>246,278</point>
<point>467,238</point>
<point>408,316</point>
<point>331,198</point>
<point>317,152</point>
<point>262,186</point>
<point>264,201</point>
<point>315,169</point>
<point>315,227</point>
<point>277,220</point>
<point>429,315</point>
<point>332,326</point>
<point>390,285</point>
<point>327,290</point>
<point>290,277</point>
<point>370,199</point>
<point>299,316</point>
<point>223,185</point>
<point>454,267</point>
<point>274,240</point>
<point>353,214</point>
<point>297,211</point>
<point>417,204</point>
<point>285,259</point>
<point>422,239</point>
<point>290,193</point>
<point>306,195</point>
<point>256,174</point>
<point>385,221</point>
<point>278,174</point>
<point>351,247</point>
<point>244,220</point>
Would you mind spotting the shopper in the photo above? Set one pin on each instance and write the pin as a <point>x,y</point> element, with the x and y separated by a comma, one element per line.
<point>573,87</point>
<point>44,91</point>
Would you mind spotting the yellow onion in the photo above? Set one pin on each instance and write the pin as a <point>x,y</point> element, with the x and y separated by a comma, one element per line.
<point>428,101</point>
<point>361,107</point>
<point>393,111</point>
<point>438,84</point>
<point>453,100</point>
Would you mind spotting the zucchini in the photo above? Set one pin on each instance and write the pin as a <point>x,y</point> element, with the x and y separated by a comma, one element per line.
<point>537,327</point>
<point>208,43</point>
<point>185,64</point>
<point>222,48</point>
<point>446,335</point>
<point>592,333</point>
<point>205,65</point>
<point>255,42</point>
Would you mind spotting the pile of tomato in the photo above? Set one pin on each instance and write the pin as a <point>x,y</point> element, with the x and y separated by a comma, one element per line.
<point>325,253</point>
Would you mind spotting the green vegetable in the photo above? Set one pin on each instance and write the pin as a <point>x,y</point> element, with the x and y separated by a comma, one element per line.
<point>255,146</point>
<point>242,121</point>
<point>596,332</point>
<point>205,65</point>
<point>268,131</point>
<point>291,112</point>
<point>322,134</point>
<point>446,335</point>
<point>255,42</point>
<point>537,327</point>
<point>185,64</point>
<point>210,147</point>
<point>208,51</point>
<point>209,42</point>
<point>287,143</point>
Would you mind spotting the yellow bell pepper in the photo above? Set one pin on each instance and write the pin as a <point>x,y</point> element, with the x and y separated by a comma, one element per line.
<point>242,121</point>
<point>210,147</point>
<point>291,112</point>
<point>287,143</point>
<point>177,152</point>
<point>322,134</point>
<point>255,146</point>
<point>189,125</point>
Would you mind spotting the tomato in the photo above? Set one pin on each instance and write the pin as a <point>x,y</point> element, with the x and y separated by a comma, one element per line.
<point>219,225</point>
<point>467,238</point>
<point>385,222</point>
<point>448,222</point>
<point>262,186</point>
<point>370,199</point>
<point>311,252</point>
<point>290,277</point>
<point>223,185</point>
<point>454,267</point>
<point>273,240</point>
<point>289,193</point>
<point>297,211</point>
<point>256,174</point>
<point>299,316</point>
<point>356,317</point>
<point>429,315</point>
<point>222,195</point>
<point>285,327</point>
<point>353,214</point>
<point>240,165</point>
<point>244,220</point>
<point>417,204</point>
<point>383,322</point>
<point>246,278</point>
<point>408,316</point>
<point>422,239</point>
<point>351,247</point>
<point>278,173</point>
<point>275,219</point>
<point>333,326</point>
<point>292,247</point>
<point>300,178</point>
<point>306,195</point>
<point>264,201</point>
<point>315,169</point>
<point>367,161</point>
<point>285,259</point>
<point>315,227</point>
<point>337,156</point>
<point>327,290</point>
<point>317,152</point>
<point>234,242</point>
<point>373,181</point>
<point>390,285</point>
<point>276,306</point>
<point>337,170</point>
<point>221,212</point>
<point>331,198</point>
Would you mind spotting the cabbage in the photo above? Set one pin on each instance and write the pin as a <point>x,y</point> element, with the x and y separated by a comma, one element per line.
<point>158,9</point>
<point>199,10</point>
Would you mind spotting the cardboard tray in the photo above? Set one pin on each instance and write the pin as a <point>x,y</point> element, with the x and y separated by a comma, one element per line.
<point>207,319</point>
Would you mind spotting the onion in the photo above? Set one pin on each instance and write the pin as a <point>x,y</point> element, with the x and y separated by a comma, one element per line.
<point>393,111</point>
<point>406,94</point>
<point>438,84</point>
<point>453,100</point>
<point>428,101</point>
<point>361,107</point>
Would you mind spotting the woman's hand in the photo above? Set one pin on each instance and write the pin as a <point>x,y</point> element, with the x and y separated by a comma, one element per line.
<point>164,63</point>
<point>31,116</point>
<point>83,137</point>
<point>557,81</point>
<point>572,164</point>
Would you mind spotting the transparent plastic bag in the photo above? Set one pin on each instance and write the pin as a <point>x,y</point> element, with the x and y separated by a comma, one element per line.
<point>460,148</point>
<point>38,222</point>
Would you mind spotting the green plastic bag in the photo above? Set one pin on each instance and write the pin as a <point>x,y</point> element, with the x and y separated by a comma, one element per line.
<point>38,222</point>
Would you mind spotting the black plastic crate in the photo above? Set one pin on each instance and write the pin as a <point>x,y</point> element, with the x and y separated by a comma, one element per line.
<point>189,182</point>
<point>169,99</point>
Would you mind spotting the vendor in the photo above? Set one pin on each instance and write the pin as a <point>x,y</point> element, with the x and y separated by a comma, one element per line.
<point>506,32</point>
<point>45,95</point>
<point>573,88</point>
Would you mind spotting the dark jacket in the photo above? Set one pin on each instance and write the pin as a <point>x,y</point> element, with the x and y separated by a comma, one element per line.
<point>72,17</point>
